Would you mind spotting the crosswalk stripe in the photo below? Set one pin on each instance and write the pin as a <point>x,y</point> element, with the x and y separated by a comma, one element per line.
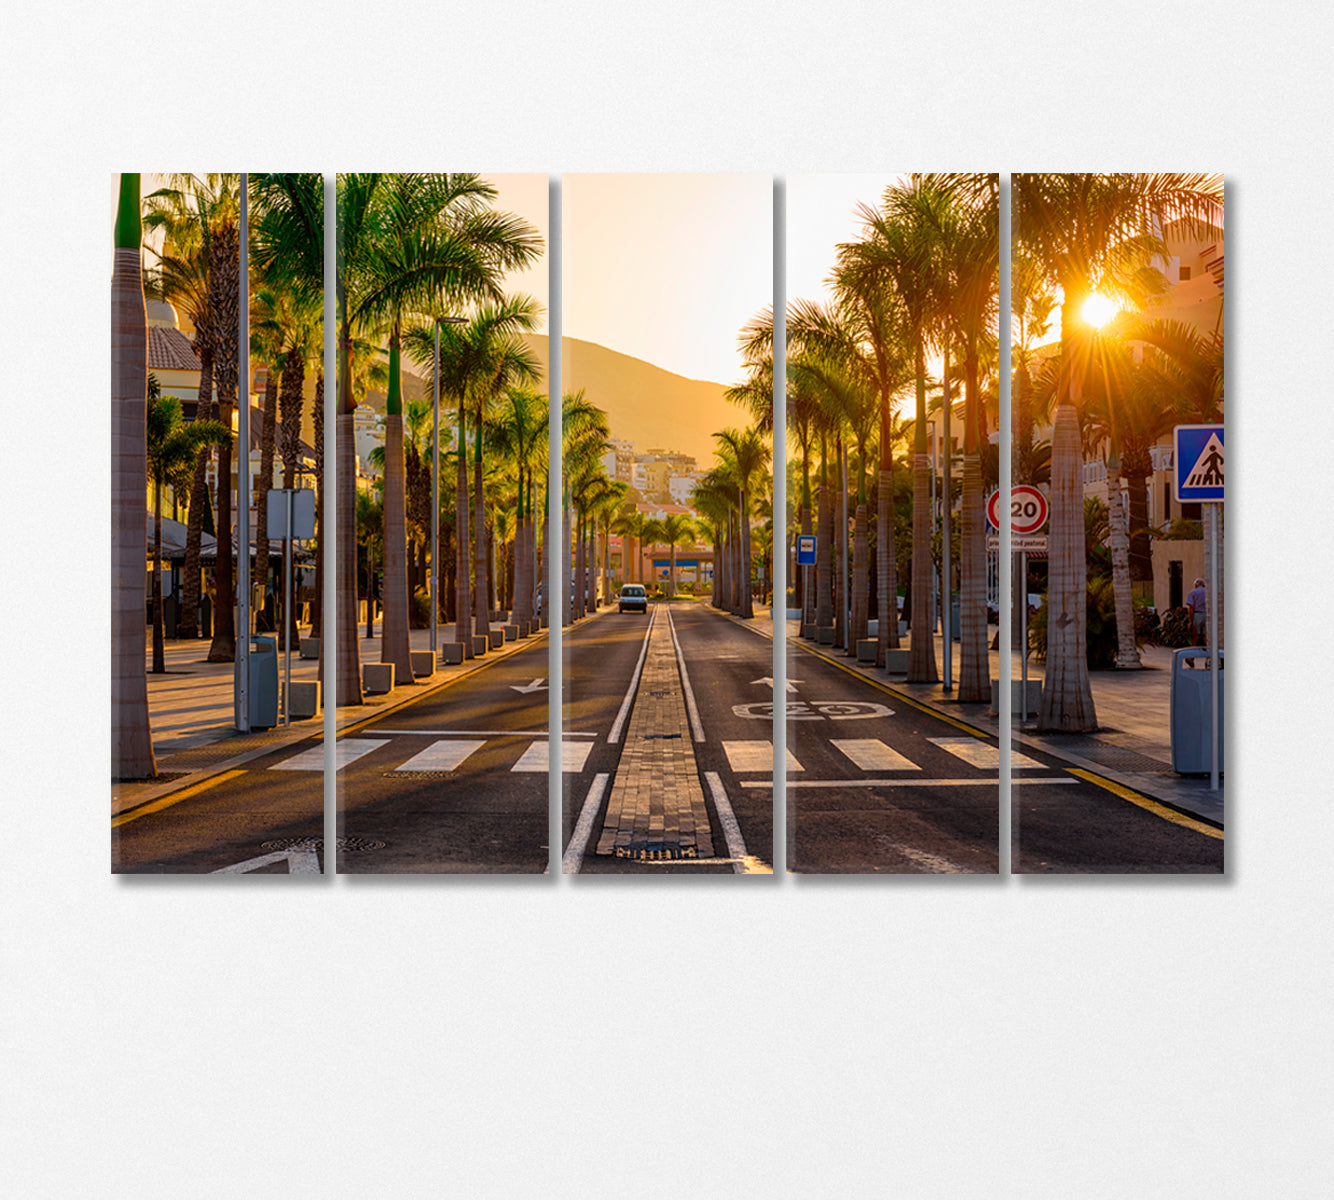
<point>535,758</point>
<point>756,756</point>
<point>871,754</point>
<point>440,756</point>
<point>982,754</point>
<point>346,751</point>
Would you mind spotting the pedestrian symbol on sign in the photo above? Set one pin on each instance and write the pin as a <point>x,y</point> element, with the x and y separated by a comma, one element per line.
<point>1208,469</point>
<point>1199,463</point>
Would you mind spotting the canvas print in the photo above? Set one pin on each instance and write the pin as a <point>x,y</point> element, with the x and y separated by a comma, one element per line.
<point>665,528</point>
<point>893,762</point>
<point>217,388</point>
<point>1117,459</point>
<point>442,690</point>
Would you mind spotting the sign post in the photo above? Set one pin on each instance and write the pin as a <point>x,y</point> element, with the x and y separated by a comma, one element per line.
<point>292,517</point>
<point>1197,462</point>
<point>1028,514</point>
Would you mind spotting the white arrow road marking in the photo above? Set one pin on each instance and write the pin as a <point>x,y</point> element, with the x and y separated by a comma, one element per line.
<point>769,681</point>
<point>538,685</point>
<point>756,756</point>
<point>442,756</point>
<point>346,751</point>
<point>301,860</point>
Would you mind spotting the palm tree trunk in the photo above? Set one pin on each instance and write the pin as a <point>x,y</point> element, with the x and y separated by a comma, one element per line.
<point>266,439</point>
<point>807,575</point>
<point>481,571</point>
<point>824,536</point>
<point>974,663</point>
<point>132,738</point>
<point>395,643</point>
<point>462,516</point>
<point>224,305</point>
<point>159,649</point>
<point>1067,701</point>
<point>317,603</point>
<point>841,543</point>
<point>1127,657</point>
<point>887,585</point>
<point>860,582</point>
<point>747,598</point>
<point>187,624</point>
<point>347,682</point>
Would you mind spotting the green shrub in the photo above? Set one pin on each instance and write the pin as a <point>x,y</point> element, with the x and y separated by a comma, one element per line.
<point>1100,619</point>
<point>1147,623</point>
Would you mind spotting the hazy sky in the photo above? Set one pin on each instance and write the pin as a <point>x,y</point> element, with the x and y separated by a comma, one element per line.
<point>667,268</point>
<point>821,213</point>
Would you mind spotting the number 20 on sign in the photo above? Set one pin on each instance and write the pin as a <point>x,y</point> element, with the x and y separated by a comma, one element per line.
<point>1028,509</point>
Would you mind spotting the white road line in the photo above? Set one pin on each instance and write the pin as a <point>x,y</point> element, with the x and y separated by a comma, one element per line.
<point>536,758</point>
<point>755,756</point>
<point>871,754</point>
<point>736,844</point>
<point>442,756</point>
<point>982,754</point>
<point>573,859</point>
<point>301,860</point>
<point>480,733</point>
<point>695,727</point>
<point>346,751</point>
<point>896,783</point>
<point>619,723</point>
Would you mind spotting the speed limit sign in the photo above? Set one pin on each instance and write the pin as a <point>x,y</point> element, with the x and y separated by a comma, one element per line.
<point>1028,509</point>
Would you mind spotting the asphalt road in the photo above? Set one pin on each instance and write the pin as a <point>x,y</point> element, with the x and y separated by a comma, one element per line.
<point>722,659</point>
<point>877,784</point>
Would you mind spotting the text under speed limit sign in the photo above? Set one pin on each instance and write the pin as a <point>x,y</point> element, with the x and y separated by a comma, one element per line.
<point>1028,509</point>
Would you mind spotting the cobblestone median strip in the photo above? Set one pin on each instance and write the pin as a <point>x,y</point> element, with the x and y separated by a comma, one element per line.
<point>656,810</point>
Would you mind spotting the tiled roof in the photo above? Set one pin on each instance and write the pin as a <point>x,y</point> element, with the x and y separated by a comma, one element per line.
<point>170,350</point>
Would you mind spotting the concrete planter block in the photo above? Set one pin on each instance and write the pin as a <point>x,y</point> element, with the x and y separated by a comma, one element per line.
<point>896,662</point>
<point>511,633</point>
<point>451,654</point>
<point>423,664</point>
<point>524,627</point>
<point>497,637</point>
<point>480,643</point>
<point>824,635</point>
<point>808,631</point>
<point>303,701</point>
<point>873,627</point>
<point>866,650</point>
<point>377,678</point>
<point>1017,696</point>
<point>310,647</point>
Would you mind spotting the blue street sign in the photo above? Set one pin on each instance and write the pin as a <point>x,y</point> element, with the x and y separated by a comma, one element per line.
<point>805,550</point>
<point>1197,460</point>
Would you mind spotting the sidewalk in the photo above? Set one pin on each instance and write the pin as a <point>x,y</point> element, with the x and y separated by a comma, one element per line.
<point>1132,746</point>
<point>191,710</point>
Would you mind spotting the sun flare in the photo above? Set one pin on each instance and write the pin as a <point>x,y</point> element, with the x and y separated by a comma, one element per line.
<point>1098,310</point>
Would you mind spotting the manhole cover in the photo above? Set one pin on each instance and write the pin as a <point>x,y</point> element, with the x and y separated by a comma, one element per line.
<point>349,844</point>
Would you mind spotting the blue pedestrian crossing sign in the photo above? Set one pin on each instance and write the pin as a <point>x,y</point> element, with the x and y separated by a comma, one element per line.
<point>805,550</point>
<point>1198,463</point>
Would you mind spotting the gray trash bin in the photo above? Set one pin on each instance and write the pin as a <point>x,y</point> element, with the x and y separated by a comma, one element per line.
<point>1192,743</point>
<point>263,682</point>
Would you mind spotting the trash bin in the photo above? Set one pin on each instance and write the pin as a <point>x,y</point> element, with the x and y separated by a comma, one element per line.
<point>1192,735</point>
<point>263,682</point>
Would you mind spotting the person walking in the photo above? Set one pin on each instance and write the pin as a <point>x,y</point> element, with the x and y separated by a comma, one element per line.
<point>1197,602</point>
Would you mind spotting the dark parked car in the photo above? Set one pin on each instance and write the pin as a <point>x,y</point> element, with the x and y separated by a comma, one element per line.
<point>633,597</point>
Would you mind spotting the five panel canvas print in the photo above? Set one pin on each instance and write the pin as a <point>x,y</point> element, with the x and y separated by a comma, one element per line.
<point>652,550</point>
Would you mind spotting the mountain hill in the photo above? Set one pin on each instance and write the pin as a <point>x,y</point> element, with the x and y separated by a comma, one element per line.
<point>646,405</point>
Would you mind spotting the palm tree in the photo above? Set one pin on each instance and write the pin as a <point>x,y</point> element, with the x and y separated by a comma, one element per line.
<point>132,743</point>
<point>1079,228</point>
<point>172,450</point>
<point>370,541</point>
<point>750,454</point>
<point>410,244</point>
<point>186,212</point>
<point>671,531</point>
<point>584,433</point>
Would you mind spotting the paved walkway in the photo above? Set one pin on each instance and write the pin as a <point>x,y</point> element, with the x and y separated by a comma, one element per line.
<point>657,805</point>
<point>191,710</point>
<point>1133,743</point>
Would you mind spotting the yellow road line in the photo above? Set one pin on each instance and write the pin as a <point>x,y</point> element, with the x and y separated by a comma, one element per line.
<point>1158,810</point>
<point>174,798</point>
<point>889,691</point>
